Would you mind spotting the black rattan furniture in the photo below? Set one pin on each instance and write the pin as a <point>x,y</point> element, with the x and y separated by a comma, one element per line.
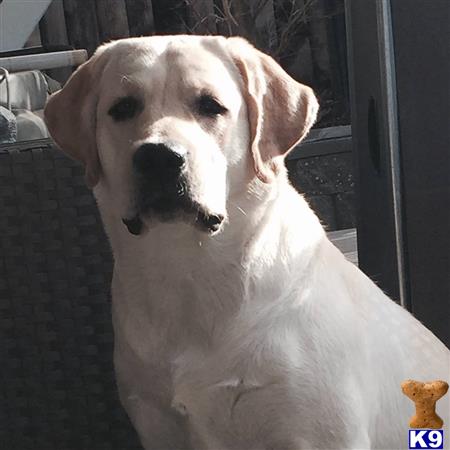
<point>57,386</point>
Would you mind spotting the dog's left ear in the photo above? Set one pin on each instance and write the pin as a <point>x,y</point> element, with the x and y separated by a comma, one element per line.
<point>70,116</point>
<point>281,111</point>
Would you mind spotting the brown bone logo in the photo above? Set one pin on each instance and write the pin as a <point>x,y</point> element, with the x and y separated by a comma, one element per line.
<point>425,396</point>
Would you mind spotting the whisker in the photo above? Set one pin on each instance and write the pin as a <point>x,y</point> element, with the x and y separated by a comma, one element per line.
<point>239,208</point>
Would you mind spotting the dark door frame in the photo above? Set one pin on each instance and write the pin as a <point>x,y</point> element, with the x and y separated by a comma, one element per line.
<point>399,59</point>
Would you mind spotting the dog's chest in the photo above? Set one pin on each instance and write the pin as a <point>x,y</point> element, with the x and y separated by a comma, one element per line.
<point>162,316</point>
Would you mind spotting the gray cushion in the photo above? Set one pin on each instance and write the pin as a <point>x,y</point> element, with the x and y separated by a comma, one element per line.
<point>28,90</point>
<point>30,125</point>
<point>8,126</point>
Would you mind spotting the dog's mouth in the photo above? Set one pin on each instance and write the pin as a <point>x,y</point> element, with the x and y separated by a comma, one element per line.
<point>134,225</point>
<point>210,223</point>
<point>168,205</point>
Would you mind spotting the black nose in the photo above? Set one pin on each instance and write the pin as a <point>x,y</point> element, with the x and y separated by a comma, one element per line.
<point>157,159</point>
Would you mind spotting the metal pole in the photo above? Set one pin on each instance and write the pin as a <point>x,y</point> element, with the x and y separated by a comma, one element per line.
<point>44,61</point>
<point>389,89</point>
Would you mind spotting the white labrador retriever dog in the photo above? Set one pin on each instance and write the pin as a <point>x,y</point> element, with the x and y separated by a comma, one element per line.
<point>238,325</point>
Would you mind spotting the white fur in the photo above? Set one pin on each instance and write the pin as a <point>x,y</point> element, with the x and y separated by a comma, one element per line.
<point>262,336</point>
<point>270,341</point>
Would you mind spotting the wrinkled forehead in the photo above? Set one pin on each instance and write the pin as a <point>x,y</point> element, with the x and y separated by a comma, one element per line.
<point>168,64</point>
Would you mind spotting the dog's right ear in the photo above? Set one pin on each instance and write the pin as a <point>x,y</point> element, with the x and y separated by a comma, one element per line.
<point>70,116</point>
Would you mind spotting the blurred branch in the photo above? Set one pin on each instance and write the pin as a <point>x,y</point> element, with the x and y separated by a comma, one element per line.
<point>227,12</point>
<point>296,17</point>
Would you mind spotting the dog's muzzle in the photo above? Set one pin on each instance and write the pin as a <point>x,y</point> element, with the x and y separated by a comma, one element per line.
<point>161,189</point>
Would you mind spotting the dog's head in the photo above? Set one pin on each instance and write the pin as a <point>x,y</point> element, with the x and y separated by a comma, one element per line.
<point>170,127</point>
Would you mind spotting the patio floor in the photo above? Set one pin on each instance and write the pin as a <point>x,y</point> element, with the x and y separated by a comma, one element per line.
<point>345,241</point>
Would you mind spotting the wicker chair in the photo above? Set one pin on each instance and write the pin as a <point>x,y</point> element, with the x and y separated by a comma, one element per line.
<point>57,382</point>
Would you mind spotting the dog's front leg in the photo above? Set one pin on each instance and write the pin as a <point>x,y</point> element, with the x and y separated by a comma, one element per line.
<point>360,441</point>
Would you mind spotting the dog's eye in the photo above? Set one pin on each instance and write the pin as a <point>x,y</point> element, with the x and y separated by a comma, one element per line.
<point>125,108</point>
<point>210,107</point>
